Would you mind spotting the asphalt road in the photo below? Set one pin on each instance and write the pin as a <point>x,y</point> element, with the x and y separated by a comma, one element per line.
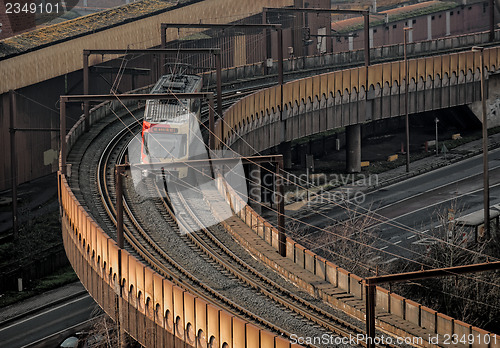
<point>46,323</point>
<point>406,212</point>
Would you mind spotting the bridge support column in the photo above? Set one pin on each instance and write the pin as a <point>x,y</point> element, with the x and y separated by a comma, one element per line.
<point>285,148</point>
<point>255,188</point>
<point>353,148</point>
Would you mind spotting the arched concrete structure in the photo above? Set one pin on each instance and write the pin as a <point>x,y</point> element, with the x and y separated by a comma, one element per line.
<point>338,99</point>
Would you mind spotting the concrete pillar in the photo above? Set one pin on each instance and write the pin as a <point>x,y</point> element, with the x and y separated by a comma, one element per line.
<point>255,187</point>
<point>353,148</point>
<point>285,148</point>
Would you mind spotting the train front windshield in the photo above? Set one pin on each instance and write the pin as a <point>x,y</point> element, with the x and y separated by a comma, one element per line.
<point>165,146</point>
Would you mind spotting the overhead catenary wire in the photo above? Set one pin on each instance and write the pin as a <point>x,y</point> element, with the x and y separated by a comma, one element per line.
<point>343,207</point>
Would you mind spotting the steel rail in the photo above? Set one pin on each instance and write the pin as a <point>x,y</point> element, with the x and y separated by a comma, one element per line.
<point>207,293</point>
<point>277,293</point>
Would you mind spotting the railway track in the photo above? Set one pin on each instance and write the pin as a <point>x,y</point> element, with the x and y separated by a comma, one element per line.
<point>195,209</point>
<point>147,243</point>
<point>216,253</point>
<point>149,246</point>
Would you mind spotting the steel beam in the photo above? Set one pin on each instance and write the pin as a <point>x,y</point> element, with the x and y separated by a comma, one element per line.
<point>86,106</point>
<point>216,161</point>
<point>486,178</point>
<point>370,315</point>
<point>281,208</point>
<point>432,273</point>
<point>143,96</point>
<point>155,51</point>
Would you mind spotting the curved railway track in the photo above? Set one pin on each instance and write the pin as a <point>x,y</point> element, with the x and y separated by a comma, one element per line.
<point>140,242</point>
<point>143,243</point>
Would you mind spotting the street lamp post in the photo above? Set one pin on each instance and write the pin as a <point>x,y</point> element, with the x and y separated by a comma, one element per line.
<point>486,179</point>
<point>407,84</point>
<point>436,120</point>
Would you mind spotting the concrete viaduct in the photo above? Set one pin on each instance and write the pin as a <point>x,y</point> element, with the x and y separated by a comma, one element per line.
<point>173,317</point>
<point>351,97</point>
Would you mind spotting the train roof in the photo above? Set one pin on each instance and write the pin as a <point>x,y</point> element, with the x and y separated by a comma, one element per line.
<point>160,111</point>
<point>176,83</point>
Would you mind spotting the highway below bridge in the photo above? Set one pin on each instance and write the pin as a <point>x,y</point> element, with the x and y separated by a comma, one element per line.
<point>408,216</point>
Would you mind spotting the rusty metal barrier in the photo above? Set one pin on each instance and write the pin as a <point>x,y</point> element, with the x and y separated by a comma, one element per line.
<point>154,311</point>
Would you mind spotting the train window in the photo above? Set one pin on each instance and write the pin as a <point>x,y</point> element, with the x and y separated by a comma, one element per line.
<point>163,146</point>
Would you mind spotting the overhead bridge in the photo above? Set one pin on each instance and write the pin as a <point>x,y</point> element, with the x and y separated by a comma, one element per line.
<point>351,97</point>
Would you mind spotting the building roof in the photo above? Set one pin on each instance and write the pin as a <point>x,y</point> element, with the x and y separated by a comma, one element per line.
<point>81,26</point>
<point>394,15</point>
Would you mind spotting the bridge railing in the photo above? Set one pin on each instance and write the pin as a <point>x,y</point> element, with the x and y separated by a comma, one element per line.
<point>346,93</point>
<point>353,57</point>
<point>386,302</point>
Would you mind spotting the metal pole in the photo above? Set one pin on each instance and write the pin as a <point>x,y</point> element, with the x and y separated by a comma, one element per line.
<point>407,84</point>
<point>281,209</point>
<point>163,45</point>
<point>492,20</point>
<point>13,162</point>
<point>437,148</point>
<point>370,316</point>
<point>486,179</point>
<point>280,58</point>
<point>218,68</point>
<point>62,134</point>
<point>86,88</point>
<point>211,124</point>
<point>366,16</point>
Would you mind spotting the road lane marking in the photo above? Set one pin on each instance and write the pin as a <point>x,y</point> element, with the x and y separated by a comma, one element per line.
<point>45,312</point>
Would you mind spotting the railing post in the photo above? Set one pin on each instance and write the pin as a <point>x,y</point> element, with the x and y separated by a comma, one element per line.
<point>370,315</point>
<point>86,105</point>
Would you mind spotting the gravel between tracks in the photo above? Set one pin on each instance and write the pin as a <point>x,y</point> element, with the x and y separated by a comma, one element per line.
<point>83,182</point>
